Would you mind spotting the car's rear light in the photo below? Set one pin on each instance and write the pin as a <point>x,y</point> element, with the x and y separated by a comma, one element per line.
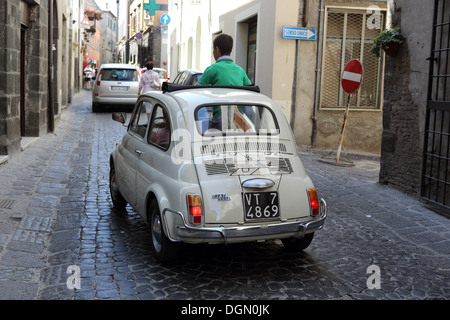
<point>195,208</point>
<point>99,76</point>
<point>313,202</point>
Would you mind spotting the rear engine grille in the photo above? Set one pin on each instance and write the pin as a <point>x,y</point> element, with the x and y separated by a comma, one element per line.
<point>219,167</point>
<point>221,148</point>
<point>283,165</point>
<point>227,166</point>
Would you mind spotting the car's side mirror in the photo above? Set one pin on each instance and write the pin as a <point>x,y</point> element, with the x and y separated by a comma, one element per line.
<point>120,117</point>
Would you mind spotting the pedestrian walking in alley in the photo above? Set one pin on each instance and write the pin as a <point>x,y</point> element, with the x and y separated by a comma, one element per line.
<point>224,71</point>
<point>88,77</point>
<point>149,80</point>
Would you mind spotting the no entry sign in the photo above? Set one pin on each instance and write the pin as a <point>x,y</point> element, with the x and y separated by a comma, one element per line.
<point>352,76</point>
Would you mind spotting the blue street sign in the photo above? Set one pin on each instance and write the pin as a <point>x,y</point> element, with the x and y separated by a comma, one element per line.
<point>299,33</point>
<point>165,19</point>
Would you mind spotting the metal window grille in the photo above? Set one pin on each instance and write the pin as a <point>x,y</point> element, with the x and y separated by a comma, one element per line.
<point>347,36</point>
<point>435,186</point>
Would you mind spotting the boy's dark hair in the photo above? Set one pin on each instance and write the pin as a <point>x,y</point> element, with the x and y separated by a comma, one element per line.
<point>149,65</point>
<point>224,42</point>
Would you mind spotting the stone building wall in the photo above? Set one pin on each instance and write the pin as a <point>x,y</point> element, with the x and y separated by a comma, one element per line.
<point>149,45</point>
<point>405,97</point>
<point>24,69</point>
<point>26,35</point>
<point>36,93</point>
<point>9,76</point>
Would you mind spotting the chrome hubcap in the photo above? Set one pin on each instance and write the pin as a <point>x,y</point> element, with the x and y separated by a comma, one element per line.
<point>156,232</point>
<point>113,185</point>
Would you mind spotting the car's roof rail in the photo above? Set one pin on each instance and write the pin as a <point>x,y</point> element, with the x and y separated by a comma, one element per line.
<point>170,87</point>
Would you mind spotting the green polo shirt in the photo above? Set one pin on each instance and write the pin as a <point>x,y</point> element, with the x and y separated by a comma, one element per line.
<point>224,72</point>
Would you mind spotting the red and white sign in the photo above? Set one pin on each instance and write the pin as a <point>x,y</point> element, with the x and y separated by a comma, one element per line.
<point>352,76</point>
<point>85,24</point>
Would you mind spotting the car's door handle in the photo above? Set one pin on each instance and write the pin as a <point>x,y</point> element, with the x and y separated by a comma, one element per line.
<point>138,151</point>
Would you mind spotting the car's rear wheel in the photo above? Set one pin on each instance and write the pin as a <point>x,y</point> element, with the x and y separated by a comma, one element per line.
<point>163,248</point>
<point>118,200</point>
<point>95,107</point>
<point>298,244</point>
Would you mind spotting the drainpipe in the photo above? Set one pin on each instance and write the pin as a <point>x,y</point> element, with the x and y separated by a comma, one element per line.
<point>305,13</point>
<point>305,21</point>
<point>294,89</point>
<point>318,69</point>
<point>51,111</point>
<point>294,82</point>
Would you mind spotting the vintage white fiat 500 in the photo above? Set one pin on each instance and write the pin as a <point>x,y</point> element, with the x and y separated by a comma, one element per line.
<point>213,164</point>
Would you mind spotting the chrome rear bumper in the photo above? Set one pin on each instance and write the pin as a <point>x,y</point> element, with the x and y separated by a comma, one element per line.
<point>270,231</point>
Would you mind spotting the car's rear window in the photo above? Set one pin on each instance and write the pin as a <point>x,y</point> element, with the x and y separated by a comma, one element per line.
<point>119,75</point>
<point>235,119</point>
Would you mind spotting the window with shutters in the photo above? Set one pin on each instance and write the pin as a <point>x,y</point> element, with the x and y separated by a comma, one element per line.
<point>347,36</point>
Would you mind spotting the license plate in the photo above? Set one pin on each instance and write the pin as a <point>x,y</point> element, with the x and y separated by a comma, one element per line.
<point>261,205</point>
<point>119,88</point>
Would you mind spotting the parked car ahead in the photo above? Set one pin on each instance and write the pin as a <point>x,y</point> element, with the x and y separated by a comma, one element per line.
<point>115,84</point>
<point>211,164</point>
<point>187,77</point>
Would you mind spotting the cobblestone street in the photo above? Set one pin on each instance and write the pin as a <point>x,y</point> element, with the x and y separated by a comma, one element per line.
<point>56,212</point>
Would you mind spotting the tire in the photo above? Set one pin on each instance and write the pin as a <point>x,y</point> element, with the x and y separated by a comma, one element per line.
<point>296,244</point>
<point>163,249</point>
<point>95,107</point>
<point>118,200</point>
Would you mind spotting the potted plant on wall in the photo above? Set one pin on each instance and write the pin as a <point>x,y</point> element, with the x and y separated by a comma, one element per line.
<point>93,15</point>
<point>90,14</point>
<point>92,29</point>
<point>388,40</point>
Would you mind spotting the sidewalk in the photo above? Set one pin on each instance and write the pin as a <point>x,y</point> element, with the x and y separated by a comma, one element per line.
<point>32,186</point>
<point>356,193</point>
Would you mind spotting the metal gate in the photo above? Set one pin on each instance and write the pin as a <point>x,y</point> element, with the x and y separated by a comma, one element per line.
<point>435,187</point>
